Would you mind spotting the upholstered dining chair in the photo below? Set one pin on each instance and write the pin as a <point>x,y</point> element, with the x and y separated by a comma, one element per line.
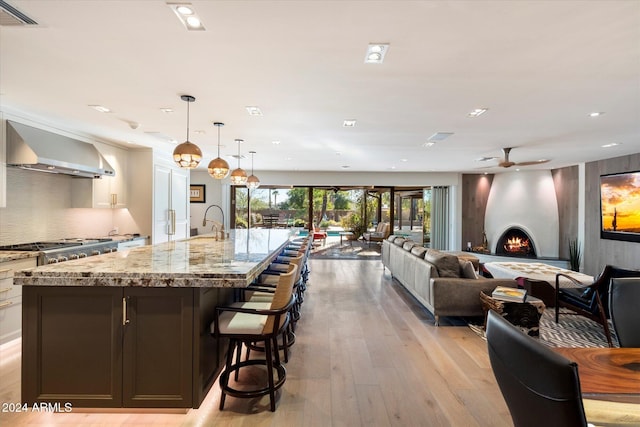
<point>624,302</point>
<point>590,301</point>
<point>247,323</point>
<point>540,387</point>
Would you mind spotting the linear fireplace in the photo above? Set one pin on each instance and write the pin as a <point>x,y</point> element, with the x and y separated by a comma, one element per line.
<point>516,242</point>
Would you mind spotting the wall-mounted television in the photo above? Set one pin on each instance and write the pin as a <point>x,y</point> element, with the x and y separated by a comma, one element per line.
<point>620,206</point>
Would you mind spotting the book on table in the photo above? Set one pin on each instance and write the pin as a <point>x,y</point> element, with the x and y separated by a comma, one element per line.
<point>504,293</point>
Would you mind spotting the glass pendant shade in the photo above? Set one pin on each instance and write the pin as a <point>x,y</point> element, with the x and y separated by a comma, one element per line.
<point>218,168</point>
<point>252,181</point>
<point>187,155</point>
<point>238,176</point>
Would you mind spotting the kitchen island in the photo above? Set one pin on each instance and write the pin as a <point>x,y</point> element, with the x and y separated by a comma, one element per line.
<point>131,329</point>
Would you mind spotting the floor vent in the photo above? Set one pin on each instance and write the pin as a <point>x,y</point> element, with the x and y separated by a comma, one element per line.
<point>10,16</point>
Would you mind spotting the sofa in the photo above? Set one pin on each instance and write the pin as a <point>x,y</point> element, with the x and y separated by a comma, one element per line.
<point>446,284</point>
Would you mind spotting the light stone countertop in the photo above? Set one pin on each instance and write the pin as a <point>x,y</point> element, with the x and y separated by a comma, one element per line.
<point>6,256</point>
<point>200,261</point>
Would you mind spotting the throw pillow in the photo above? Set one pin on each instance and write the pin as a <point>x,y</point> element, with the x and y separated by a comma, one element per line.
<point>466,270</point>
<point>399,241</point>
<point>447,265</point>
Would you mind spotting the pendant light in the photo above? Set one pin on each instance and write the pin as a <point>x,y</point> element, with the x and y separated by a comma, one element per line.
<point>218,168</point>
<point>187,155</point>
<point>252,182</point>
<point>238,176</point>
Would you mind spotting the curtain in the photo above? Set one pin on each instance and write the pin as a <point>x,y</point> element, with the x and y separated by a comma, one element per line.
<point>440,218</point>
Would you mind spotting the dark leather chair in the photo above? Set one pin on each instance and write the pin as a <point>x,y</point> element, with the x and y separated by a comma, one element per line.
<point>590,301</point>
<point>540,387</point>
<point>624,297</point>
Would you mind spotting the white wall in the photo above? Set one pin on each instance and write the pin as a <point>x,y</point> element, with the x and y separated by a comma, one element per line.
<point>526,199</point>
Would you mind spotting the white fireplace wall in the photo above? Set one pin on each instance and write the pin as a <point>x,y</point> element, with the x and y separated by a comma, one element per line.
<point>525,199</point>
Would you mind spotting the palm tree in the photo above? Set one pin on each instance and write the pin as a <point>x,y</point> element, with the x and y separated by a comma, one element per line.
<point>275,198</point>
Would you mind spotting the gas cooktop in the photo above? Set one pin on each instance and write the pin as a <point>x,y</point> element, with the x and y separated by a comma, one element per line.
<point>52,244</point>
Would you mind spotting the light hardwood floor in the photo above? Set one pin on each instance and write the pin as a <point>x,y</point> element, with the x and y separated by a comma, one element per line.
<point>366,354</point>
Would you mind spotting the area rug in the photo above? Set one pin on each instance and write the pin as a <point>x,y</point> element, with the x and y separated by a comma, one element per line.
<point>570,331</point>
<point>357,250</point>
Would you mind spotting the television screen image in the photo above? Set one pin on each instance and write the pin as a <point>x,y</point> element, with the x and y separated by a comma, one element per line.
<point>620,206</point>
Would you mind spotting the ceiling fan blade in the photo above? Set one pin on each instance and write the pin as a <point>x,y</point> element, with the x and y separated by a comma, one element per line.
<point>534,162</point>
<point>506,164</point>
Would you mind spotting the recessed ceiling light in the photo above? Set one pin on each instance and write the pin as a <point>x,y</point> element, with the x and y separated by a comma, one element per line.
<point>199,132</point>
<point>350,123</point>
<point>275,142</point>
<point>184,10</point>
<point>440,136</point>
<point>100,108</point>
<point>167,110</point>
<point>611,144</point>
<point>288,158</point>
<point>376,53</point>
<point>596,114</point>
<point>187,15</point>
<point>254,111</point>
<point>392,167</point>
<point>477,112</point>
<point>403,160</point>
<point>429,144</point>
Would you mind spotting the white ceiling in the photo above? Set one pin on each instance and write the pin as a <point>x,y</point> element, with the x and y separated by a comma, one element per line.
<point>539,66</point>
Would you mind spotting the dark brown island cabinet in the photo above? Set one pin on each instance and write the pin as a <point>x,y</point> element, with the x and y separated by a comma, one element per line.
<point>143,344</point>
<point>120,347</point>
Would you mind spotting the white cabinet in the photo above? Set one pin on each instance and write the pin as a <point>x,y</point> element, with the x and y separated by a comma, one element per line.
<point>170,203</point>
<point>11,299</point>
<point>108,191</point>
<point>111,191</point>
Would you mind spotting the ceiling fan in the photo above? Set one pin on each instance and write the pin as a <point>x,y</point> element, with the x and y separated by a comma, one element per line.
<point>506,163</point>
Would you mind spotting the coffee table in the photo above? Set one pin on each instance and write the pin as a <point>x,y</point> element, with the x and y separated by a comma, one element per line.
<point>525,315</point>
<point>348,235</point>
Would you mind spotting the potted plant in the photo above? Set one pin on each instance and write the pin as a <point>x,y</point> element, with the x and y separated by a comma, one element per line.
<point>353,223</point>
<point>575,254</point>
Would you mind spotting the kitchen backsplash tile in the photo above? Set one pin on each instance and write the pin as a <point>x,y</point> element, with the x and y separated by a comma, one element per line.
<point>39,208</point>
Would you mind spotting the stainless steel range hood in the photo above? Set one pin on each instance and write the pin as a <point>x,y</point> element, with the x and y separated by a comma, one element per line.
<point>37,149</point>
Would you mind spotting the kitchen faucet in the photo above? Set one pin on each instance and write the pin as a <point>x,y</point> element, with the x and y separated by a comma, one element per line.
<point>204,221</point>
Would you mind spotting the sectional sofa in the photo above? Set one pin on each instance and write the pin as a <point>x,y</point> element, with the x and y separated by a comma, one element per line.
<point>445,283</point>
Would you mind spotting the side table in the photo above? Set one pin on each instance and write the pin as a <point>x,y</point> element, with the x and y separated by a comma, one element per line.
<point>525,315</point>
<point>539,289</point>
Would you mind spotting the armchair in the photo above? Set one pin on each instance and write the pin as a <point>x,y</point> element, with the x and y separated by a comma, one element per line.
<point>382,232</point>
<point>590,301</point>
<point>624,295</point>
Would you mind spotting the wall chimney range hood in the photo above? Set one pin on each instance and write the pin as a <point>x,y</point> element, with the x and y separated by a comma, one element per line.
<point>36,149</point>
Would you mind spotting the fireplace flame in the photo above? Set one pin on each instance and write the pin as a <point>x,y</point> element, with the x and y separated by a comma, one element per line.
<point>516,244</point>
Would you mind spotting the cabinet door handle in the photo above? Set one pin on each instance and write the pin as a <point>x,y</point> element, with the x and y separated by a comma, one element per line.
<point>172,222</point>
<point>114,200</point>
<point>5,290</point>
<point>6,304</point>
<point>124,311</point>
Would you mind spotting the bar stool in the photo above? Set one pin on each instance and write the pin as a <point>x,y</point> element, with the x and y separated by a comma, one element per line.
<point>247,322</point>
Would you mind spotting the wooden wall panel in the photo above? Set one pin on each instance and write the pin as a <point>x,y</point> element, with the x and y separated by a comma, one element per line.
<point>565,181</point>
<point>475,192</point>
<point>600,252</point>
